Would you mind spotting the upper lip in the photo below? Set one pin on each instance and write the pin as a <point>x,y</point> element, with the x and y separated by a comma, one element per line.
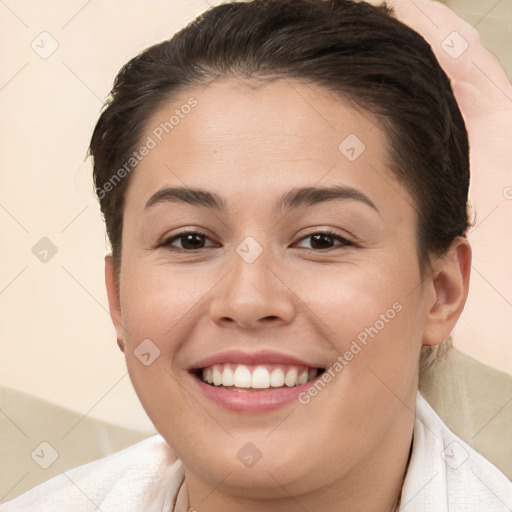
<point>254,358</point>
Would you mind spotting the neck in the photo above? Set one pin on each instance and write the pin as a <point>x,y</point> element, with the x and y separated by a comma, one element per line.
<point>374,484</point>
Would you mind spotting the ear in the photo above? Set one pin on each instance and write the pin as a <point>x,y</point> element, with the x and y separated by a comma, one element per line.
<point>114,303</point>
<point>450,281</point>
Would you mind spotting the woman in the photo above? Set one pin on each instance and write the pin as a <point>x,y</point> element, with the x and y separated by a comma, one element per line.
<point>284,185</point>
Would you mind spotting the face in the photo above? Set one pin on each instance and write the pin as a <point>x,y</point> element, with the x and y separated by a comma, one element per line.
<point>272,282</point>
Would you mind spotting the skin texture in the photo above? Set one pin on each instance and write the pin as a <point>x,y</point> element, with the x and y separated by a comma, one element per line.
<point>347,448</point>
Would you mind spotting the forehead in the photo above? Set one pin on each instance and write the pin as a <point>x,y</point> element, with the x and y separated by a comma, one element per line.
<point>230,112</point>
<point>244,137</point>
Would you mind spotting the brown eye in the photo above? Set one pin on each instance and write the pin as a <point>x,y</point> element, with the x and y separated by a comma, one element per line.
<point>325,240</point>
<point>190,241</point>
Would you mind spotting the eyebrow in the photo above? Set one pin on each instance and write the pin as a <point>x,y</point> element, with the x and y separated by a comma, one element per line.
<point>295,198</point>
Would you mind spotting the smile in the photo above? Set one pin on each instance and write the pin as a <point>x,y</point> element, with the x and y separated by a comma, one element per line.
<point>253,382</point>
<point>243,376</point>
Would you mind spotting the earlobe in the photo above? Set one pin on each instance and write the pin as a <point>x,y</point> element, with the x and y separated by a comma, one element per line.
<point>114,302</point>
<point>450,281</point>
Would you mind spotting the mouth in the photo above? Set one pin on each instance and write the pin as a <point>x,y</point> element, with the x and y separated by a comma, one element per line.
<point>253,377</point>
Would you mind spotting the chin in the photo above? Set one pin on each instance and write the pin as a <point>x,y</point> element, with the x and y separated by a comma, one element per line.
<point>251,472</point>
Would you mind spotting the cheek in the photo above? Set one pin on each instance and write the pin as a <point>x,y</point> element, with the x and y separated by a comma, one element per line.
<point>364,313</point>
<point>373,320</point>
<point>343,302</point>
<point>166,403</point>
<point>355,302</point>
<point>157,303</point>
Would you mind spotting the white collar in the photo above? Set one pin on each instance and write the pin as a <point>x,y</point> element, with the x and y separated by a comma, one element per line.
<point>444,474</point>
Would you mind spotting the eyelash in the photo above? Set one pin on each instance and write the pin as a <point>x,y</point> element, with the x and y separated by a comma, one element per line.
<point>167,243</point>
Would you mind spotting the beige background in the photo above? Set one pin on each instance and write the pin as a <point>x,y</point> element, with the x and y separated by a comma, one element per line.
<point>57,341</point>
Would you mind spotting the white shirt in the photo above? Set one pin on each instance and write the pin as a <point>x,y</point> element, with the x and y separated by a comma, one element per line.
<point>444,474</point>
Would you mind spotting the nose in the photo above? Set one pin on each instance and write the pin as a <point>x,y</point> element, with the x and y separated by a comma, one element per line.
<point>252,295</point>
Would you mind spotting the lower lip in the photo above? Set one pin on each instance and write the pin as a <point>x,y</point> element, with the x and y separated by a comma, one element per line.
<point>252,401</point>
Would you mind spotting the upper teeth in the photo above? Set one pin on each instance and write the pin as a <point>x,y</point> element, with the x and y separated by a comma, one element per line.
<point>259,377</point>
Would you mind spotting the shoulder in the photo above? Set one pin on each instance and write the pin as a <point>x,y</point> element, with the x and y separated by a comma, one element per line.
<point>444,471</point>
<point>122,481</point>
